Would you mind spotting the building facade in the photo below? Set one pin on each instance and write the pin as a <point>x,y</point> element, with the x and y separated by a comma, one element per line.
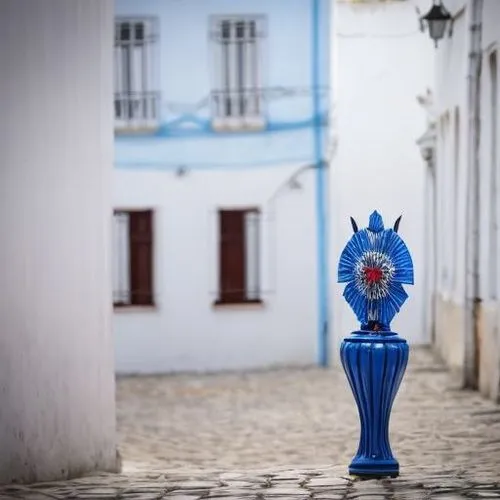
<point>463,177</point>
<point>57,417</point>
<point>220,180</point>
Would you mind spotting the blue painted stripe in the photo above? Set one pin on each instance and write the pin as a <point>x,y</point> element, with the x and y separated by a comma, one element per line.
<point>164,166</point>
<point>321,180</point>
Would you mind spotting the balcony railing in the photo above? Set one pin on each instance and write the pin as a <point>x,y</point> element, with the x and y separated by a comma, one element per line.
<point>238,108</point>
<point>137,110</point>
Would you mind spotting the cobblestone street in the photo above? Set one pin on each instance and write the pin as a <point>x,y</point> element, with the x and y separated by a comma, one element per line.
<point>289,434</point>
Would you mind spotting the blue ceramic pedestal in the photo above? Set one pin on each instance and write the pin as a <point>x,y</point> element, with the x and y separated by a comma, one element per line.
<point>375,363</point>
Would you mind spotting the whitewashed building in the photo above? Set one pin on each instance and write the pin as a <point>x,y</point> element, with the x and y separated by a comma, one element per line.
<point>220,258</point>
<point>57,406</point>
<point>463,180</point>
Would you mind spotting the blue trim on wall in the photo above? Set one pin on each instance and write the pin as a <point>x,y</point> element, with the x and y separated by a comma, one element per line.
<point>202,127</point>
<point>163,166</point>
<point>321,215</point>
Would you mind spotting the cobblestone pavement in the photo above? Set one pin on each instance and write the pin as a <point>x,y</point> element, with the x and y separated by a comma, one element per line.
<point>277,434</point>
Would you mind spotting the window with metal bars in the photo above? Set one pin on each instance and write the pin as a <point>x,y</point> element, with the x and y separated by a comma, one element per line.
<point>137,99</point>
<point>237,94</point>
<point>239,256</point>
<point>133,258</point>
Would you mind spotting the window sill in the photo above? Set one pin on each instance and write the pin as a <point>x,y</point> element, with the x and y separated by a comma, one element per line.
<point>238,124</point>
<point>251,304</point>
<point>132,308</point>
<point>136,130</point>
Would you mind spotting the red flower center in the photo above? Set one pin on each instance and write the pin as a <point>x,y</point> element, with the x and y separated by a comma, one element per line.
<point>372,274</point>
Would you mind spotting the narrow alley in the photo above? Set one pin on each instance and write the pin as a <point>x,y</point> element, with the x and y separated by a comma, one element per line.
<point>289,434</point>
<point>182,183</point>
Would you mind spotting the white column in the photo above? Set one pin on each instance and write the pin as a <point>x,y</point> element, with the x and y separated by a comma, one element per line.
<point>57,410</point>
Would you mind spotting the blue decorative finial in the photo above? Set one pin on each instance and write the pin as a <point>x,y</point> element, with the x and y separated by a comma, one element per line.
<point>376,223</point>
<point>375,264</point>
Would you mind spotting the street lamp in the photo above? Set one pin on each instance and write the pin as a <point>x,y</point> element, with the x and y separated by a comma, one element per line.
<point>437,19</point>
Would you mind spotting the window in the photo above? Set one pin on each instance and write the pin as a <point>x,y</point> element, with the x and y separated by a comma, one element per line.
<point>237,95</point>
<point>133,258</point>
<point>239,256</point>
<point>136,99</point>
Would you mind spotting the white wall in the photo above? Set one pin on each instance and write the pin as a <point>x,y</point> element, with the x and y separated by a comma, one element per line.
<point>489,332</point>
<point>57,415</point>
<point>490,210</point>
<point>185,331</point>
<point>455,341</point>
<point>452,125</point>
<point>452,111</point>
<point>384,62</point>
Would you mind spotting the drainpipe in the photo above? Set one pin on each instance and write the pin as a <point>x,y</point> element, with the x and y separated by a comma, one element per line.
<point>472,292</point>
<point>317,18</point>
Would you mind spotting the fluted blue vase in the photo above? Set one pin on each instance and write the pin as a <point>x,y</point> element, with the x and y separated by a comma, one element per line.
<point>374,363</point>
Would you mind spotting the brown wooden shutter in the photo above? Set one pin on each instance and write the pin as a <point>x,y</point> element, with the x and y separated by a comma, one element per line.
<point>141,257</point>
<point>232,256</point>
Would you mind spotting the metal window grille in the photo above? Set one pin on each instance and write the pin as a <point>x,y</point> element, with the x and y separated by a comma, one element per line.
<point>238,68</point>
<point>136,98</point>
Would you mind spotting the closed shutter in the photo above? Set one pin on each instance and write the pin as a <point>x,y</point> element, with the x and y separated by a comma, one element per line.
<point>232,256</point>
<point>141,257</point>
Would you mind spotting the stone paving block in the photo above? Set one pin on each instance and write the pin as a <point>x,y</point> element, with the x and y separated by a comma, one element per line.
<point>451,497</point>
<point>317,483</point>
<point>176,496</point>
<point>278,491</point>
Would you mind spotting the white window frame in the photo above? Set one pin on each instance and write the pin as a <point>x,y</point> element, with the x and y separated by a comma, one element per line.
<point>253,230</point>
<point>121,258</point>
<point>238,43</point>
<point>122,281</point>
<point>136,96</point>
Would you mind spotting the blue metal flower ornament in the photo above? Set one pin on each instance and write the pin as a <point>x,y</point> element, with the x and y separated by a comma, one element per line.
<point>375,264</point>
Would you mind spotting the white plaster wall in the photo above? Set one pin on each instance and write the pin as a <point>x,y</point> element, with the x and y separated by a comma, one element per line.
<point>185,332</point>
<point>451,103</point>
<point>57,409</point>
<point>489,333</point>
<point>489,174</point>
<point>451,93</point>
<point>452,116</point>
<point>383,63</point>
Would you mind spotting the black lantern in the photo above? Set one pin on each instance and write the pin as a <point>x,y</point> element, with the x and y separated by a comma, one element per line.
<point>437,19</point>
